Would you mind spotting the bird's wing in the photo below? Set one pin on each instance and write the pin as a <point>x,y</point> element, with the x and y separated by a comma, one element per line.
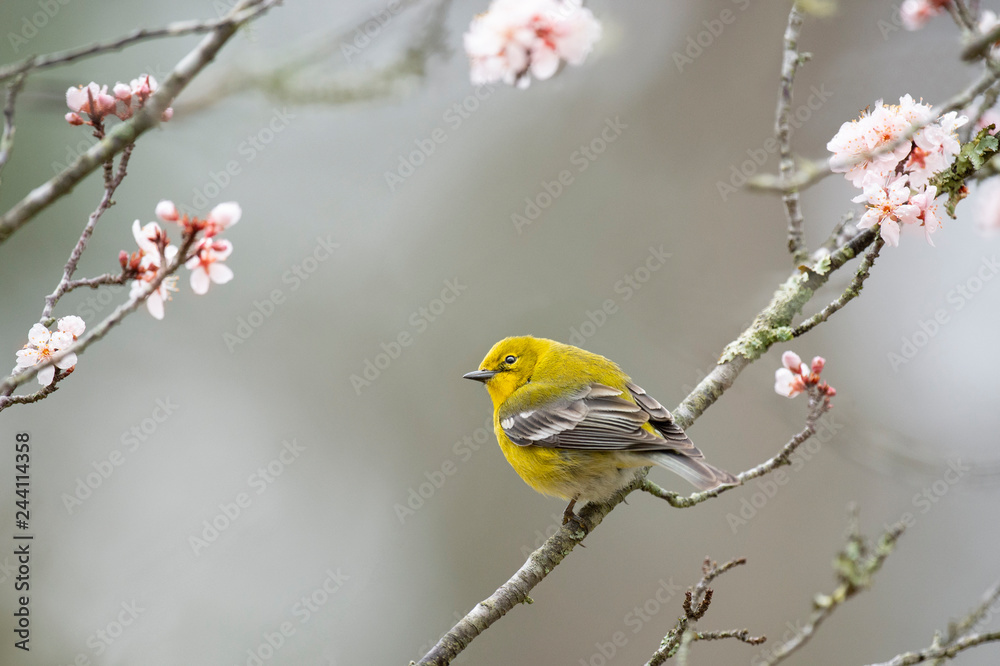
<point>597,418</point>
<point>661,419</point>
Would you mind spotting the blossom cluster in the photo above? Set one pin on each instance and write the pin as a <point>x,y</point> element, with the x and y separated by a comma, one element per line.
<point>796,377</point>
<point>43,344</point>
<point>893,172</point>
<point>123,101</point>
<point>517,39</point>
<point>155,251</point>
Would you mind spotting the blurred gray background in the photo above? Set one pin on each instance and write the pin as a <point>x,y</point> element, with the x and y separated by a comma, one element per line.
<point>334,516</point>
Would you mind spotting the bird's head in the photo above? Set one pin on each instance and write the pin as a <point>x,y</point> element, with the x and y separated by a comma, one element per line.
<point>509,365</point>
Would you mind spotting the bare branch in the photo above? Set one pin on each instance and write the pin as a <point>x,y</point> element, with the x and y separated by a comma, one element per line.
<point>176,29</point>
<point>943,652</point>
<point>696,603</point>
<point>961,636</point>
<point>65,283</point>
<point>145,119</point>
<point>783,131</point>
<point>818,405</point>
<point>7,139</point>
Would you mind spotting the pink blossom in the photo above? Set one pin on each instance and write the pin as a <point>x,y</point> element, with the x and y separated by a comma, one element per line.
<point>43,344</point>
<point>93,100</point>
<point>936,146</point>
<point>222,217</point>
<point>916,13</point>
<point>928,215</point>
<point>167,211</point>
<point>207,267</point>
<point>795,378</point>
<point>787,383</point>
<point>887,207</point>
<point>74,118</point>
<point>517,39</point>
<point>149,268</point>
<point>149,238</point>
<point>873,131</point>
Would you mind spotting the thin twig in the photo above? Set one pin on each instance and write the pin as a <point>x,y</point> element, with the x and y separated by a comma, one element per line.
<point>836,237</point>
<point>853,290</point>
<point>960,636</point>
<point>7,139</point>
<point>783,131</point>
<point>696,603</point>
<point>943,652</point>
<point>145,119</point>
<point>42,393</point>
<point>818,405</point>
<point>81,245</point>
<point>176,29</point>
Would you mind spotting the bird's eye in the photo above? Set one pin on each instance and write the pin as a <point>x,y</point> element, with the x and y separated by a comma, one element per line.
<point>510,359</point>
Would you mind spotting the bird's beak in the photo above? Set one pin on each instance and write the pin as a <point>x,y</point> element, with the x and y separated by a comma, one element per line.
<point>480,375</point>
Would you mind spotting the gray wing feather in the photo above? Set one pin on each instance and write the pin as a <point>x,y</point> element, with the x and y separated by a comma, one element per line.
<point>597,418</point>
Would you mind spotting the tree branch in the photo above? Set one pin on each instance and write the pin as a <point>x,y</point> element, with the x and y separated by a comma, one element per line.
<point>783,131</point>
<point>176,29</point>
<point>7,139</point>
<point>961,636</point>
<point>696,603</point>
<point>972,640</point>
<point>106,202</point>
<point>818,405</point>
<point>853,291</point>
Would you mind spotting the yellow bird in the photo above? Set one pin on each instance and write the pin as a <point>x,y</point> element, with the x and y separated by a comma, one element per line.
<point>573,425</point>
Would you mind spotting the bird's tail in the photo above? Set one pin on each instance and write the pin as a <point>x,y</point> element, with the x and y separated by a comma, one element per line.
<point>693,469</point>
